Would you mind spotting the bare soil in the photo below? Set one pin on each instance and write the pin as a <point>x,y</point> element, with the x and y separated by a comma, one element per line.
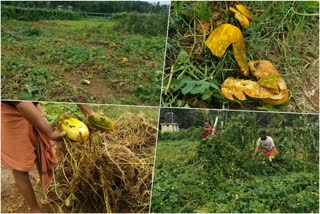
<point>11,199</point>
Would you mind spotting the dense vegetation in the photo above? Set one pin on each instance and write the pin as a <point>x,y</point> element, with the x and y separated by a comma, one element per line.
<point>34,14</point>
<point>95,6</point>
<point>142,23</point>
<point>285,33</point>
<point>218,175</point>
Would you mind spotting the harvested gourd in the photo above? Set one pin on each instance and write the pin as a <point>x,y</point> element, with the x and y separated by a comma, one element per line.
<point>238,88</point>
<point>101,122</point>
<point>75,129</point>
<point>85,82</point>
<point>270,87</point>
<point>269,77</point>
<point>224,36</point>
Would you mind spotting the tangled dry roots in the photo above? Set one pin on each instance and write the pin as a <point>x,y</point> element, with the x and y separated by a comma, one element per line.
<point>112,173</point>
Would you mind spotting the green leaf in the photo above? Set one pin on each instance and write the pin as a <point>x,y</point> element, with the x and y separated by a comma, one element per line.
<point>180,103</point>
<point>200,87</point>
<point>299,28</point>
<point>267,108</point>
<point>188,85</point>
<point>207,95</point>
<point>177,84</point>
<point>202,11</point>
<point>187,89</point>
<point>186,105</point>
<point>182,58</point>
<point>214,84</point>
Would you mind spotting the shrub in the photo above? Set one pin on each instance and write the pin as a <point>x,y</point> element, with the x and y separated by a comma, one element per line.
<point>142,23</point>
<point>222,160</point>
<point>192,134</point>
<point>35,14</point>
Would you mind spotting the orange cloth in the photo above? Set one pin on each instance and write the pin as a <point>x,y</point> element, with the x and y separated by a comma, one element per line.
<point>19,143</point>
<point>272,152</point>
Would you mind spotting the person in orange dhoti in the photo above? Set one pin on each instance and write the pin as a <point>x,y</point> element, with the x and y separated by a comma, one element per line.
<point>28,138</point>
<point>267,145</point>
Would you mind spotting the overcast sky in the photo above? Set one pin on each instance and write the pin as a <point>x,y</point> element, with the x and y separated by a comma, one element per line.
<point>162,2</point>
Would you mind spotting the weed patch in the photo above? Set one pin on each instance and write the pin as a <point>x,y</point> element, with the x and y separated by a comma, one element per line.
<point>282,32</point>
<point>73,50</point>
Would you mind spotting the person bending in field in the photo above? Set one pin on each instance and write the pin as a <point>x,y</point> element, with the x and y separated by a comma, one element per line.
<point>208,131</point>
<point>267,145</point>
<point>28,138</point>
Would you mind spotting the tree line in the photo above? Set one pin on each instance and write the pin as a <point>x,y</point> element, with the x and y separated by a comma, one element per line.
<point>188,118</point>
<point>95,6</point>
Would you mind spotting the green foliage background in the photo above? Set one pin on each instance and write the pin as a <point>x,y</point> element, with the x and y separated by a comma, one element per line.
<point>143,23</point>
<point>218,175</point>
<point>35,14</point>
<point>95,6</point>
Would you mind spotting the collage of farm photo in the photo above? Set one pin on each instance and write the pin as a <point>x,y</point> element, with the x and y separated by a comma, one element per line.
<point>160,106</point>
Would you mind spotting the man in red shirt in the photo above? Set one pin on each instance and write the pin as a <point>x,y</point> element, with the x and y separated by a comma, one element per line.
<point>208,130</point>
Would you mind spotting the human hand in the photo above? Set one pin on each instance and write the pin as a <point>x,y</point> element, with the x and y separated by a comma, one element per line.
<point>94,113</point>
<point>55,135</point>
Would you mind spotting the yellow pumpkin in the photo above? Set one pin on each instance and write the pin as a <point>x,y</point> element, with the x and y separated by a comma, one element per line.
<point>75,129</point>
<point>270,87</point>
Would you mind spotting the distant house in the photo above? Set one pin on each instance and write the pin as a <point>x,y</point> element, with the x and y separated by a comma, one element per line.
<point>169,127</point>
<point>170,124</point>
<point>61,7</point>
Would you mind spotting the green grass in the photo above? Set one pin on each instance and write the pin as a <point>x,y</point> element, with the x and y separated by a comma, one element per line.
<point>285,33</point>
<point>178,184</point>
<point>47,60</point>
<point>173,152</point>
<point>183,184</point>
<point>54,110</point>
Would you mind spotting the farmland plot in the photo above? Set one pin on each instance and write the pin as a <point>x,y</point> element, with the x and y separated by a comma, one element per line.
<point>85,60</point>
<point>218,175</point>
